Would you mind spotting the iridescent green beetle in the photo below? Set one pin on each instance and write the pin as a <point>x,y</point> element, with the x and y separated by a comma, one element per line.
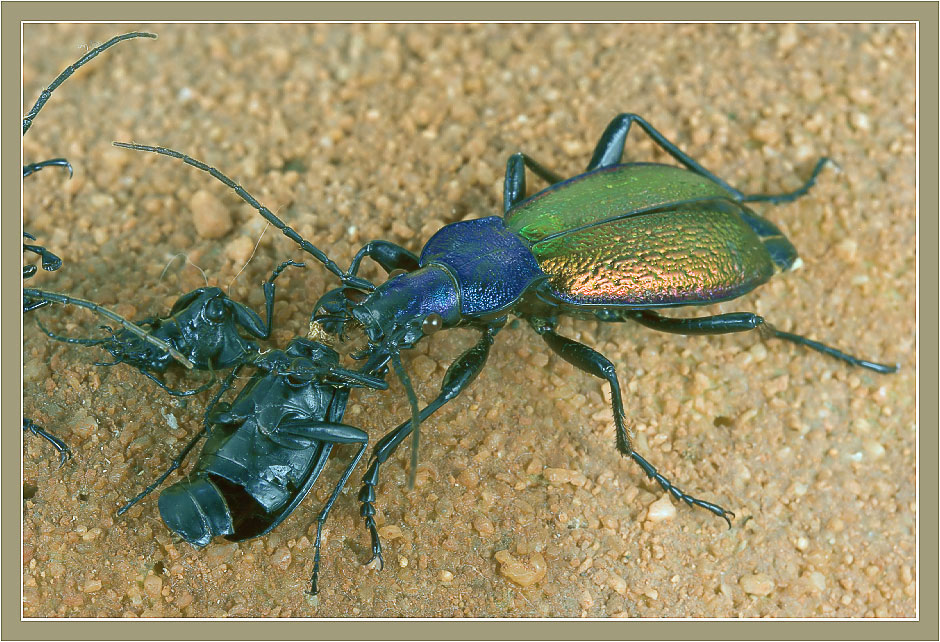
<point>614,244</point>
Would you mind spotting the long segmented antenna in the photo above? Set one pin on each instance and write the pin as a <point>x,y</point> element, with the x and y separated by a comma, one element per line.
<point>65,299</point>
<point>347,279</point>
<point>68,71</point>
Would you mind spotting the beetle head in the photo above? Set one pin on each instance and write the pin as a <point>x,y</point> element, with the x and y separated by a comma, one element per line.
<point>409,306</point>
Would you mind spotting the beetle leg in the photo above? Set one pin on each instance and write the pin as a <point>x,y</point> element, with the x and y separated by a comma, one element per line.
<point>172,391</point>
<point>742,322</point>
<point>594,363</point>
<point>50,262</point>
<point>459,375</point>
<point>351,435</point>
<point>609,151</point>
<point>248,318</point>
<point>388,255</point>
<point>31,168</point>
<point>31,304</point>
<point>786,197</point>
<point>63,449</point>
<point>181,457</point>
<point>58,337</point>
<point>514,183</point>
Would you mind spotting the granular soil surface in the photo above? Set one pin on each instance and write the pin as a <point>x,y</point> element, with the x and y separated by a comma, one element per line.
<point>523,507</point>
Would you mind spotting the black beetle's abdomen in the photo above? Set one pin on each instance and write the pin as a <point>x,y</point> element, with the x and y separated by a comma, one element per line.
<point>196,510</point>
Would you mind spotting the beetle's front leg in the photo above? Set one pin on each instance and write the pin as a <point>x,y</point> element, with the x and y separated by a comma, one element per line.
<point>458,376</point>
<point>387,254</point>
<point>594,363</point>
<point>248,318</point>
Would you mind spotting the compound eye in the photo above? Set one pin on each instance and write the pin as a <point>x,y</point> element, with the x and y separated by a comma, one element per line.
<point>396,272</point>
<point>432,323</point>
<point>215,310</point>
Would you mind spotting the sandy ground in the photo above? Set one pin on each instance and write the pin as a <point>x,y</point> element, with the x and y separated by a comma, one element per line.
<point>358,132</point>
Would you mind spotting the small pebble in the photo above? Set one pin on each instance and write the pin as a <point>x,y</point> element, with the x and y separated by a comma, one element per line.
<point>210,216</point>
<point>756,584</point>
<point>661,510</point>
<point>523,573</point>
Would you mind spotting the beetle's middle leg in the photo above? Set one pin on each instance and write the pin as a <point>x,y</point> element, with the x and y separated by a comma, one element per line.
<point>736,322</point>
<point>514,183</point>
<point>594,363</point>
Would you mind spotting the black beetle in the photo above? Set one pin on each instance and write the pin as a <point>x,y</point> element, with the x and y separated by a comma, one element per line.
<point>611,244</point>
<point>203,325</point>
<point>33,297</point>
<point>266,450</point>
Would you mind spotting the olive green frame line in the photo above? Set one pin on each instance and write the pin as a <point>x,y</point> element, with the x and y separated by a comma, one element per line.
<point>14,13</point>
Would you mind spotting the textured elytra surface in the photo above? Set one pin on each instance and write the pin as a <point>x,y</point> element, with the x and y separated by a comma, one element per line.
<point>701,252</point>
<point>354,132</point>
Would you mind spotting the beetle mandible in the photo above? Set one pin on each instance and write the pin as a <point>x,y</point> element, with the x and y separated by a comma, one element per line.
<point>614,243</point>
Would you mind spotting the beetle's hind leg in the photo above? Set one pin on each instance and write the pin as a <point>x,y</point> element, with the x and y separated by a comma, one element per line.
<point>594,363</point>
<point>736,322</point>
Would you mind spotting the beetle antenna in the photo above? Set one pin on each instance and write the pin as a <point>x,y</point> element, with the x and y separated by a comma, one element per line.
<point>289,232</point>
<point>415,419</point>
<point>68,71</point>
